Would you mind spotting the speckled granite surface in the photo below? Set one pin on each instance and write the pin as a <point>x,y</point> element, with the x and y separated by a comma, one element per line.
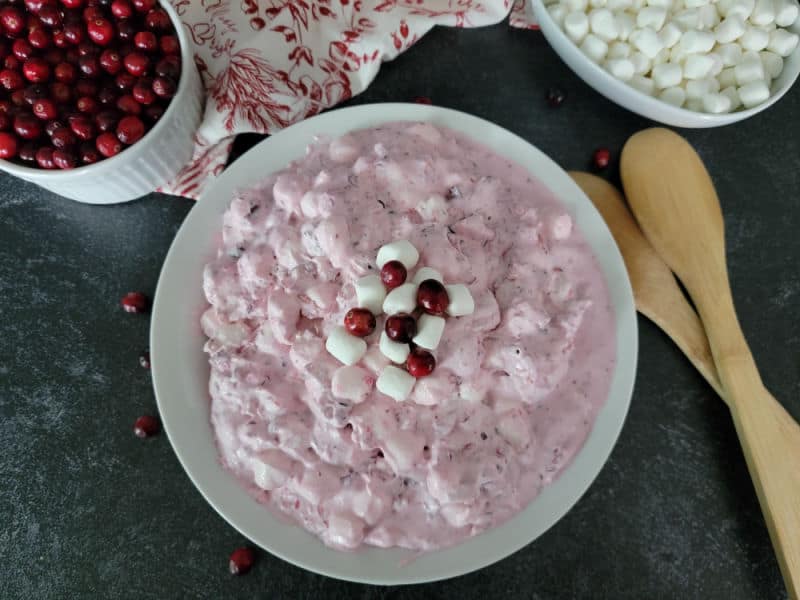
<point>89,511</point>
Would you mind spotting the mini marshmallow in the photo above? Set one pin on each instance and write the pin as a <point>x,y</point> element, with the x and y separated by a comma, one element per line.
<point>344,347</point>
<point>427,273</point>
<point>647,42</point>
<point>667,75</point>
<point>621,68</point>
<point>576,5</point>
<point>763,13</point>
<point>395,383</point>
<point>401,250</point>
<point>557,12</point>
<point>773,64</point>
<point>731,93</point>
<point>782,42</point>
<point>687,19</point>
<point>697,66</point>
<point>595,48</point>
<point>731,54</point>
<point>394,351</point>
<point>677,55</point>
<point>750,69</point>
<point>651,16</point>
<point>641,64</point>
<point>786,12</point>
<point>643,84</point>
<point>429,331</point>
<point>602,24</point>
<point>695,90</point>
<point>732,28</point>
<point>597,3</point>
<point>741,8</point>
<point>695,105</point>
<point>370,293</point>
<point>662,57</point>
<point>619,50</point>
<point>695,3</point>
<point>625,26</point>
<point>754,39</point>
<point>402,299</point>
<point>753,93</point>
<point>673,95</point>
<point>727,77</point>
<point>351,383</point>
<point>697,42</point>
<point>670,35</point>
<point>716,103</point>
<point>576,26</point>
<point>617,6</point>
<point>709,17</point>
<point>659,3</point>
<point>461,302</point>
<point>716,64</point>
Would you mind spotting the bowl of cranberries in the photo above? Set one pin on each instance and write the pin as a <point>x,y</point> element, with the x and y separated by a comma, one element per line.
<point>99,99</point>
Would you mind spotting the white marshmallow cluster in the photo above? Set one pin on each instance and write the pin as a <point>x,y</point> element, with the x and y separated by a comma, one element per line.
<point>709,56</point>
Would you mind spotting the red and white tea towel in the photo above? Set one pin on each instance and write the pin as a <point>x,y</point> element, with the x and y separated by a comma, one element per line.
<point>269,63</point>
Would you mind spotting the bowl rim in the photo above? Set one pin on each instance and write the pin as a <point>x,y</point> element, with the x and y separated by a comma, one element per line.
<point>652,104</point>
<point>136,148</point>
<point>183,396</point>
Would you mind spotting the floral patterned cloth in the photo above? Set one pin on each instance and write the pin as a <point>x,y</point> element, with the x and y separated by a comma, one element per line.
<point>269,63</point>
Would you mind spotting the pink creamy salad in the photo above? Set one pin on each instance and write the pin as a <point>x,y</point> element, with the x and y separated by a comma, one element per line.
<point>517,385</point>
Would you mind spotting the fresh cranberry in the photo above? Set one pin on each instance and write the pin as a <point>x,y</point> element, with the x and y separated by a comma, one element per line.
<point>135,302</point>
<point>34,6</point>
<point>164,87</point>
<point>36,70</point>
<point>65,72</point>
<point>146,41</point>
<point>126,30</point>
<point>82,127</point>
<point>143,92</point>
<point>90,13</point>
<point>169,44</point>
<point>88,153</point>
<point>5,121</point>
<point>122,9</point>
<point>74,33</point>
<point>5,105</point>
<point>423,100</point>
<point>153,113</point>
<point>51,127</point>
<point>53,56</point>
<point>34,92</point>
<point>88,49</point>
<point>146,426</point>
<point>157,19</point>
<point>11,80</point>
<point>39,38</point>
<point>111,61</point>
<point>27,152</point>
<point>60,92</point>
<point>50,16</point>
<point>106,120</point>
<point>44,158</point>
<point>432,297</point>
<point>359,322</point>
<point>45,109</point>
<point>601,158</point>
<point>8,145</point>
<point>101,31</point>
<point>86,104</point>
<point>129,105</point>
<point>555,97</point>
<point>22,49</point>
<point>27,126</point>
<point>130,129</point>
<point>125,81</point>
<point>241,561</point>
<point>401,328</point>
<point>107,95</point>
<point>18,97</point>
<point>108,145</point>
<point>169,66</point>
<point>86,87</point>
<point>136,63</point>
<point>144,359</point>
<point>60,39</point>
<point>12,19</point>
<point>72,3</point>
<point>63,138</point>
<point>12,63</point>
<point>420,363</point>
<point>65,159</point>
<point>393,274</point>
<point>143,5</point>
<point>89,65</point>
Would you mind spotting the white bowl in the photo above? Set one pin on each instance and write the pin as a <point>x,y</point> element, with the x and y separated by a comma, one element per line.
<point>148,164</point>
<point>648,106</point>
<point>180,369</point>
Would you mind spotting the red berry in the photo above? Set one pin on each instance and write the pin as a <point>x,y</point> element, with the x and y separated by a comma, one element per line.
<point>82,127</point>
<point>121,9</point>
<point>146,41</point>
<point>51,127</point>
<point>27,126</point>
<point>101,31</point>
<point>86,104</point>
<point>108,145</point>
<point>420,363</point>
<point>130,130</point>
<point>53,56</point>
<point>90,13</point>
<point>107,95</point>
<point>87,49</point>
<point>143,5</point>
<point>146,426</point>
<point>143,92</point>
<point>106,120</point>
<point>44,158</point>
<point>65,159</point>
<point>125,81</point>
<point>34,6</point>
<point>86,87</point>
<point>74,33</point>
<point>432,297</point>
<point>111,61</point>
<point>126,30</point>
<point>5,106</point>
<point>135,302</point>
<point>423,100</point>
<point>8,145</point>
<point>241,561</point>
<point>62,138</point>
<point>60,92</point>
<point>65,72</point>
<point>359,322</point>
<point>164,87</point>
<point>169,44</point>
<point>12,62</point>
<point>11,80</point>
<point>601,158</point>
<point>60,39</point>
<point>5,122</point>
<point>401,328</point>
<point>45,109</point>
<point>393,274</point>
<point>157,19</point>
<point>169,66</point>
<point>12,19</point>
<point>39,38</point>
<point>27,152</point>
<point>72,3</point>
<point>89,65</point>
<point>34,92</point>
<point>153,113</point>
<point>36,70</point>
<point>50,16</point>
<point>22,49</point>
<point>89,154</point>
<point>144,359</point>
<point>136,63</point>
<point>128,105</point>
<point>18,98</point>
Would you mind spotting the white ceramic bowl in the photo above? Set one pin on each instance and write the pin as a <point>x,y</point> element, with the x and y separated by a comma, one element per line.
<point>647,106</point>
<point>180,369</point>
<point>146,165</point>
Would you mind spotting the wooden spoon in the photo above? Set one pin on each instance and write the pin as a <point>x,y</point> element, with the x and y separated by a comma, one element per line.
<point>673,198</point>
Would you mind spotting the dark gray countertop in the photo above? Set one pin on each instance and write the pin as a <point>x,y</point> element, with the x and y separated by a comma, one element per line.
<point>87,510</point>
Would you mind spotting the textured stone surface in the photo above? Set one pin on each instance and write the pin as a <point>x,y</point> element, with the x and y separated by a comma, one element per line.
<point>87,510</point>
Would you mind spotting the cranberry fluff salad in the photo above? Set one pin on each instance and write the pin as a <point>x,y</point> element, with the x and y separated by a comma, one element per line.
<point>408,338</point>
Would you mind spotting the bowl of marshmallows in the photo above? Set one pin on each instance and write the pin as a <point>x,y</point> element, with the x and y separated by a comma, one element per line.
<point>686,63</point>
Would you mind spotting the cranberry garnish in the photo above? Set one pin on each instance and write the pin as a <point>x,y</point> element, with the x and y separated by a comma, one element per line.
<point>8,145</point>
<point>146,426</point>
<point>420,363</point>
<point>39,38</point>
<point>11,80</point>
<point>401,328</point>
<point>100,31</point>
<point>74,33</point>
<point>65,159</point>
<point>126,30</point>
<point>88,153</point>
<point>63,138</point>
<point>601,158</point>
<point>27,152</point>
<point>146,41</point>
<point>393,274</point>
<point>157,19</point>
<point>125,81</point>
<point>86,87</point>
<point>136,63</point>
<point>169,44</point>
<point>164,87</point>
<point>432,297</point>
<point>154,113</point>
<point>143,92</point>
<point>44,158</point>
<point>27,126</point>
<point>36,70</point>
<point>143,5</point>
<point>12,19</point>
<point>555,97</point>
<point>82,127</point>
<point>108,145</point>
<point>359,322</point>
<point>121,9</point>
<point>144,359</point>
<point>50,16</point>
<point>135,302</point>
<point>111,61</point>
<point>128,104</point>
<point>241,561</point>
<point>22,49</point>
<point>45,109</point>
<point>86,104</point>
<point>65,72</point>
<point>60,92</point>
<point>106,120</point>
<point>60,39</point>
<point>130,129</point>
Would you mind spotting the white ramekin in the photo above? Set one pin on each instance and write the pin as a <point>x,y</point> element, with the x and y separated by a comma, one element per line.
<point>149,163</point>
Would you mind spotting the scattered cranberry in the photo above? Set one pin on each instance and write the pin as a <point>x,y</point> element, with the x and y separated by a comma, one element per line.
<point>144,359</point>
<point>44,157</point>
<point>241,561</point>
<point>82,127</point>
<point>86,104</point>
<point>136,63</point>
<point>146,41</point>
<point>65,72</point>
<point>121,9</point>
<point>393,274</point>
<point>12,19</point>
<point>111,61</point>
<point>601,158</point>
<point>63,138</point>
<point>60,39</point>
<point>74,33</point>
<point>34,6</point>
<point>8,145</point>
<point>555,97</point>
<point>108,145</point>
<point>129,105</point>
<point>423,100</point>
<point>53,56</point>
<point>100,31</point>
<point>106,120</point>
<point>87,49</point>
<point>39,38</point>
<point>135,302</point>
<point>22,49</point>
<point>432,297</point>
<point>164,87</point>
<point>420,363</point>
<point>27,152</point>
<point>143,92</point>
<point>45,109</point>
<point>36,70</point>
<point>401,328</point>
<point>89,154</point>
<point>5,105</point>
<point>359,322</point>
<point>130,130</point>
<point>11,80</point>
<point>89,65</point>
<point>146,426</point>
<point>65,158</point>
<point>157,19</point>
<point>27,126</point>
<point>169,44</point>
